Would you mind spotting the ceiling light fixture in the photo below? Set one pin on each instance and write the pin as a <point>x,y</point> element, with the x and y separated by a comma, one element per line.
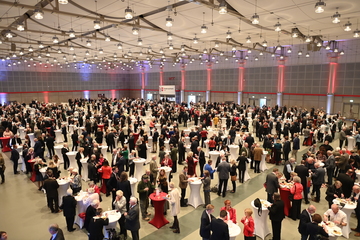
<point>255,19</point>
<point>300,53</point>
<point>140,42</point>
<point>135,31</point>
<point>169,21</point>
<point>264,43</point>
<point>228,34</point>
<point>195,40</point>
<point>38,13</point>
<point>71,48</point>
<point>171,46</point>
<point>248,39</point>
<point>336,17</point>
<point>107,38</point>
<point>216,44</point>
<point>222,7</point>
<point>88,43</point>
<point>63,1</point>
<point>294,33</point>
<point>347,26</point>
<point>9,34</point>
<point>277,26</point>
<point>119,46</point>
<point>308,39</point>
<point>169,36</point>
<point>30,49</point>
<point>71,33</point>
<point>289,50</point>
<point>41,45</point>
<point>97,24</point>
<point>128,13</point>
<point>356,33</point>
<point>320,6</point>
<point>307,55</point>
<point>101,51</point>
<point>20,27</point>
<point>55,39</point>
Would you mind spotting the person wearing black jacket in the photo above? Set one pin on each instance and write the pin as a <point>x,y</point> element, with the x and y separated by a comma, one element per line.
<point>205,221</point>
<point>96,225</point>
<point>64,132</point>
<point>334,191</point>
<point>50,142</point>
<point>65,150</point>
<point>303,173</point>
<point>276,213</point>
<point>90,213</point>
<point>201,159</point>
<point>69,209</point>
<point>155,137</point>
<point>15,158</point>
<point>313,230</point>
<point>75,141</point>
<point>219,228</point>
<point>182,150</point>
<point>305,218</point>
<point>242,161</point>
<point>112,183</point>
<point>51,186</point>
<point>286,148</point>
<point>347,182</point>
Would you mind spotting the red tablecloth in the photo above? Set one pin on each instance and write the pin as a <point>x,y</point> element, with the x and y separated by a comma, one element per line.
<point>33,174</point>
<point>5,142</point>
<point>101,126</point>
<point>158,201</point>
<point>284,194</point>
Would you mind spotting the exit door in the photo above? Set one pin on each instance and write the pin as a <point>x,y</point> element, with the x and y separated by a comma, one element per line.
<point>191,98</point>
<point>263,102</point>
<point>351,110</point>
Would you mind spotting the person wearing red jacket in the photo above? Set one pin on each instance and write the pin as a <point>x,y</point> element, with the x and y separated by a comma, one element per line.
<point>106,171</point>
<point>231,212</point>
<point>249,225</point>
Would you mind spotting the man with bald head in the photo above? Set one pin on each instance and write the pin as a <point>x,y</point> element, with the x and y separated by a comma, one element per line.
<point>334,214</point>
<point>318,179</point>
<point>56,232</point>
<point>305,218</point>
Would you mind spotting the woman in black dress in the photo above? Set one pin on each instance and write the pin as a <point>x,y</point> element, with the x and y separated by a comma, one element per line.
<point>276,213</point>
<point>99,136</point>
<point>124,185</point>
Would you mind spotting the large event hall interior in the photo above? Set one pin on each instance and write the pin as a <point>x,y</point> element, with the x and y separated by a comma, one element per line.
<point>302,53</point>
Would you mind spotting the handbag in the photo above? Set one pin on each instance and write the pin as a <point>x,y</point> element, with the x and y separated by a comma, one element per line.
<point>291,196</point>
<point>233,178</point>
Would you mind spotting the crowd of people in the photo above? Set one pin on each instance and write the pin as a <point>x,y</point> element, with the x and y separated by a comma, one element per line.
<point>127,124</point>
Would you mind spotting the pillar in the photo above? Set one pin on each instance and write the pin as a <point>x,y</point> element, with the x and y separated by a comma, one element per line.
<point>161,75</point>
<point>208,81</point>
<point>280,86</point>
<point>241,81</point>
<point>331,85</point>
<point>143,84</point>
<point>182,87</point>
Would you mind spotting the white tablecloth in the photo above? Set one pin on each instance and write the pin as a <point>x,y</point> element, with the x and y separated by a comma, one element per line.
<point>133,182</point>
<point>139,168</point>
<point>234,152</point>
<point>351,143</point>
<point>263,166</point>
<point>84,171</point>
<point>247,175</point>
<point>58,153</point>
<point>261,226</point>
<point>31,136</point>
<point>59,137</point>
<point>64,185</point>
<point>71,156</point>
<point>234,230</point>
<point>81,207</point>
<point>347,209</point>
<point>113,219</point>
<point>195,199</point>
<point>213,156</point>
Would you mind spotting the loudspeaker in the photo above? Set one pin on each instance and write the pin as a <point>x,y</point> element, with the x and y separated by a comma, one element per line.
<point>13,47</point>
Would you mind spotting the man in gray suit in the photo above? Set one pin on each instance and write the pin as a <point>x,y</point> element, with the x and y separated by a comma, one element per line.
<point>317,180</point>
<point>272,184</point>
<point>224,173</point>
<point>132,219</point>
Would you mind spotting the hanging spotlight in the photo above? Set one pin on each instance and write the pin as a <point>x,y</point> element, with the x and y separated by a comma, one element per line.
<point>342,52</point>
<point>336,17</point>
<point>71,48</point>
<point>281,57</point>
<point>14,55</point>
<point>88,43</point>
<point>55,39</point>
<point>248,39</point>
<point>308,39</point>
<point>74,55</point>
<point>38,14</point>
<point>101,51</point>
<point>107,38</point>
<point>169,21</point>
<point>205,50</point>
<point>21,51</point>
<point>171,46</point>
<point>195,40</point>
<point>63,1</point>
<point>319,44</point>
<point>319,6</point>
<point>135,31</point>
<point>41,45</point>
<point>289,50</point>
<point>140,42</point>
<point>9,34</point>
<point>356,33</point>
<point>59,51</point>
<point>261,53</point>
<point>249,50</point>
<point>256,58</point>
<point>277,26</point>
<point>216,44</point>
<point>327,47</point>
<point>307,55</point>
<point>169,36</point>
<point>336,50</point>
<point>228,34</point>
<point>273,55</point>
<point>264,43</point>
<point>204,29</point>
<point>300,53</point>
<point>294,33</point>
<point>119,46</point>
<point>347,26</point>
<point>97,24</point>
<point>255,19</point>
<point>128,13</point>
<point>222,8</point>
<point>20,27</point>
<point>87,53</point>
<point>71,33</point>
<point>47,54</point>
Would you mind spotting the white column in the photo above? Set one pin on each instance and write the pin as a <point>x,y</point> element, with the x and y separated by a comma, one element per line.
<point>279,99</point>
<point>207,96</point>
<point>182,96</point>
<point>142,93</point>
<point>330,103</point>
<point>239,98</point>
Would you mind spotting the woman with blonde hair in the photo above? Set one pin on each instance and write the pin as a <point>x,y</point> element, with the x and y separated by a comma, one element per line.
<point>296,190</point>
<point>249,225</point>
<point>233,175</point>
<point>191,164</point>
<point>53,168</point>
<point>174,200</point>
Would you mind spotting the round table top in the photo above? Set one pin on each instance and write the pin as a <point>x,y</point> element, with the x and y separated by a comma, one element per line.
<point>348,204</point>
<point>4,138</point>
<point>265,204</point>
<point>214,153</point>
<point>57,131</point>
<point>71,153</point>
<point>133,180</point>
<point>233,146</point>
<point>166,168</point>
<point>139,160</point>
<point>30,134</point>
<point>194,180</point>
<point>84,160</point>
<point>103,147</point>
<point>159,198</point>
<point>100,125</point>
<point>113,215</point>
<point>63,181</point>
<point>234,230</point>
<point>81,195</point>
<point>58,147</point>
<point>43,170</point>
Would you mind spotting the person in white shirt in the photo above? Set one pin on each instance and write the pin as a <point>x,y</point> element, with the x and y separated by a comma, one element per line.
<point>334,214</point>
<point>120,206</point>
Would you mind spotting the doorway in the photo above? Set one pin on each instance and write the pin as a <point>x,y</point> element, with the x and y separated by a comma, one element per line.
<point>262,102</point>
<point>192,98</point>
<point>351,110</point>
<point>149,96</point>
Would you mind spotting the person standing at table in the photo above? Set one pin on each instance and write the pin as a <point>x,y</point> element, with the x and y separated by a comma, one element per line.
<point>75,182</point>
<point>191,164</point>
<point>355,198</point>
<point>182,150</point>
<point>145,188</point>
<point>97,224</point>
<point>124,185</point>
<point>209,168</point>
<point>132,222</point>
<point>272,184</point>
<point>69,209</point>
<point>317,179</point>
<point>314,231</point>
<point>106,171</point>
<point>174,201</point>
<point>154,168</point>
<point>296,190</point>
<point>75,141</point>
<point>79,155</point>
<point>242,161</point>
<point>64,132</point>
<point>334,191</point>
<point>249,227</point>
<point>219,228</point>
<point>51,187</point>
<point>224,173</point>
<point>289,168</point>
<point>174,157</point>
<point>347,182</point>
<point>183,183</point>
<point>15,158</point>
<point>206,181</point>
<point>202,160</point>
<point>120,205</point>
<point>56,232</point>
<point>50,142</point>
<point>305,218</point>
<point>205,222</point>
<point>296,146</point>
<point>276,213</point>
<point>90,213</point>
<point>2,168</point>
<point>230,211</point>
<point>257,153</point>
<point>112,183</point>
<point>65,150</point>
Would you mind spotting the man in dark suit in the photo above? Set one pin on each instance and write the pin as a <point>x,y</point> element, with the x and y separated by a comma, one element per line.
<point>347,182</point>
<point>249,140</point>
<point>131,142</point>
<point>219,228</point>
<point>15,158</point>
<point>356,199</point>
<point>50,142</point>
<point>296,146</point>
<point>182,150</point>
<point>64,132</point>
<point>228,141</point>
<point>317,179</point>
<point>272,184</point>
<point>90,213</point>
<point>224,173</point>
<point>286,148</point>
<point>65,150</point>
<point>56,232</point>
<point>242,161</point>
<point>194,145</point>
<point>206,219</point>
<point>202,160</point>
<point>38,151</point>
<point>303,173</point>
<point>69,209</point>
<point>132,222</point>
<point>51,186</point>
<point>305,218</point>
<point>276,213</point>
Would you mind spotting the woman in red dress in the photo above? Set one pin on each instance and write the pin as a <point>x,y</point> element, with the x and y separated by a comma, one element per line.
<point>106,171</point>
<point>191,164</point>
